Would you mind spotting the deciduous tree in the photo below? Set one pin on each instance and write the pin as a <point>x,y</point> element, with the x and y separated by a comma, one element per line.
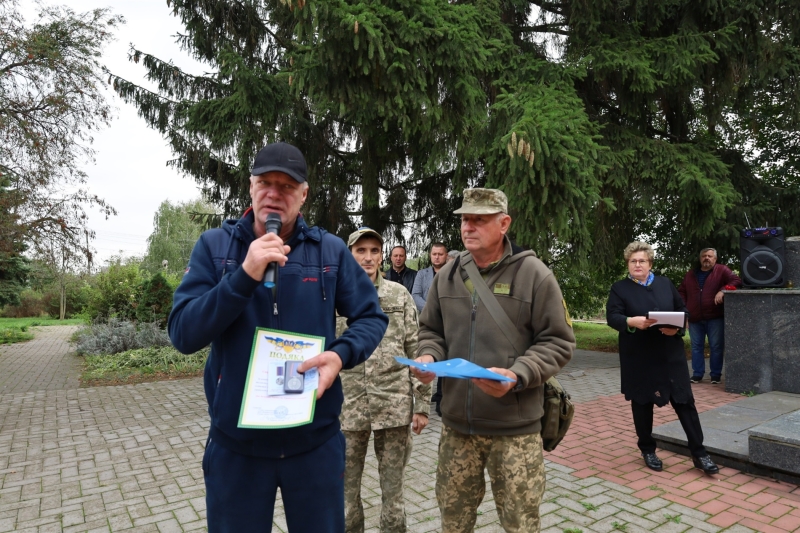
<point>51,102</point>
<point>176,228</point>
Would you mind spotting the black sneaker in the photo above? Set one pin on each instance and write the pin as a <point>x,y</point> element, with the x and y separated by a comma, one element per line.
<point>705,464</point>
<point>653,462</point>
<point>696,379</point>
<point>715,381</point>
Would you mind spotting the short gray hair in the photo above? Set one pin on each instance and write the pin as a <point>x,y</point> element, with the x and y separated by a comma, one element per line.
<point>639,246</point>
<point>704,250</point>
<point>453,253</point>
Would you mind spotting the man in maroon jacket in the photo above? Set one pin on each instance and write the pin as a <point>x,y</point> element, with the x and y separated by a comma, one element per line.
<point>701,290</point>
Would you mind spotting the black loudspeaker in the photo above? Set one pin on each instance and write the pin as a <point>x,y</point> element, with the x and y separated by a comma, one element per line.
<point>763,257</point>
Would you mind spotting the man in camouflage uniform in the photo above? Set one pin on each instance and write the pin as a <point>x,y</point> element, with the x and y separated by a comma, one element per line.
<point>490,424</point>
<point>381,397</point>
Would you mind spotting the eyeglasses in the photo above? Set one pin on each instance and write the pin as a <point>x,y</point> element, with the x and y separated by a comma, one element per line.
<point>638,261</point>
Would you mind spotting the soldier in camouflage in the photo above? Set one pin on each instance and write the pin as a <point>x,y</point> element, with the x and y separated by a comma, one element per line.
<point>382,397</point>
<point>487,424</point>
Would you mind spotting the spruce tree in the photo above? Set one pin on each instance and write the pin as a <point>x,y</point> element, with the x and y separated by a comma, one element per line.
<point>603,120</point>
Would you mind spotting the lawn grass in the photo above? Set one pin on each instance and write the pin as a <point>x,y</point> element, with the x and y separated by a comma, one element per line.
<point>13,335</point>
<point>13,330</point>
<point>602,338</point>
<point>38,321</point>
<point>595,337</point>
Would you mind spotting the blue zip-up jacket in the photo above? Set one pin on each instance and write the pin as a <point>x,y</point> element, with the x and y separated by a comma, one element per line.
<point>218,303</point>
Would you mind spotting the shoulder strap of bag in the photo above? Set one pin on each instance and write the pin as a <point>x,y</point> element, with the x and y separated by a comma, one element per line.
<point>492,305</point>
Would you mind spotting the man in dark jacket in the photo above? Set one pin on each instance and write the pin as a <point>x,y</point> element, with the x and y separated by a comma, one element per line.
<point>487,424</point>
<point>222,300</point>
<point>702,291</point>
<point>399,272</point>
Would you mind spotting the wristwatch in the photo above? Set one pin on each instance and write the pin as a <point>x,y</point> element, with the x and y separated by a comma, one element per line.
<point>518,386</point>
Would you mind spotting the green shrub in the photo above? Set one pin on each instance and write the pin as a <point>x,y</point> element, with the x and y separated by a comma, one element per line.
<point>165,361</point>
<point>115,292</point>
<point>116,336</point>
<point>155,300</point>
<point>174,279</point>
<point>31,303</point>
<point>77,293</point>
<point>586,290</point>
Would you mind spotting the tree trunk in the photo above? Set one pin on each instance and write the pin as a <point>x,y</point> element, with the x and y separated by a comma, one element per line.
<point>370,190</point>
<point>62,311</point>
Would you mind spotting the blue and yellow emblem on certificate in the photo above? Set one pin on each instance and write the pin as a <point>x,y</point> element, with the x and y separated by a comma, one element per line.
<point>275,394</point>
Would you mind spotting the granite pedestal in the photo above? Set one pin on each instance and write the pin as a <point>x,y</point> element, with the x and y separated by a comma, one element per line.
<point>792,251</point>
<point>762,340</point>
<point>759,435</point>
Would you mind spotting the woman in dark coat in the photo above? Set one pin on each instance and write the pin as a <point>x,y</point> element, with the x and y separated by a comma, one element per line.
<point>653,360</point>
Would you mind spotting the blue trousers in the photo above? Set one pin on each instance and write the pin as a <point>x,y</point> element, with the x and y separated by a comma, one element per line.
<point>241,490</point>
<point>715,331</point>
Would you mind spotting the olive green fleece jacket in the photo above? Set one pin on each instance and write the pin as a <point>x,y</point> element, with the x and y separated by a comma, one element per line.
<point>455,323</point>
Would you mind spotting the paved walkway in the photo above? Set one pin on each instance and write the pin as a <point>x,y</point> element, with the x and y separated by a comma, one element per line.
<point>44,363</point>
<point>128,458</point>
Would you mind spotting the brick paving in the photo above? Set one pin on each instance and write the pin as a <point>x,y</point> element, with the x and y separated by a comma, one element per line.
<point>128,458</point>
<point>602,444</point>
<point>103,459</point>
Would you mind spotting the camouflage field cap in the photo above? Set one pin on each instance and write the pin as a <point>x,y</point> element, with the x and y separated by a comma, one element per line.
<point>483,202</point>
<point>363,231</point>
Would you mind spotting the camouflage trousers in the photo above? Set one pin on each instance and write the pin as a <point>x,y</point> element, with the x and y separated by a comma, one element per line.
<point>392,448</point>
<point>516,470</point>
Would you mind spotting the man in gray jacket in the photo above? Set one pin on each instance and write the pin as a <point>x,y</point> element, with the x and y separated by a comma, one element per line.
<point>422,283</point>
<point>485,423</point>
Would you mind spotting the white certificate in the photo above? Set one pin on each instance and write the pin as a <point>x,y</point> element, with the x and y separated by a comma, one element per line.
<point>275,395</point>
<point>668,319</point>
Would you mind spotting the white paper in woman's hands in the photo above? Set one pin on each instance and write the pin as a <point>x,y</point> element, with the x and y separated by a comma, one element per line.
<point>667,319</point>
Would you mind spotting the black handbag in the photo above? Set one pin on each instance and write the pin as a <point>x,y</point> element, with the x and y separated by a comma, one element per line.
<point>558,408</point>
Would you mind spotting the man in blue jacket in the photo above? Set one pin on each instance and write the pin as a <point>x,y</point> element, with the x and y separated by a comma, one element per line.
<point>221,301</point>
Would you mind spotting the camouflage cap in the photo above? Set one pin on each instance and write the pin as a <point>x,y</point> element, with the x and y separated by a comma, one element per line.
<point>483,202</point>
<point>363,231</point>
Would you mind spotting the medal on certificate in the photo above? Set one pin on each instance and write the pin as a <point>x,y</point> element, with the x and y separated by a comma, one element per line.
<point>275,394</point>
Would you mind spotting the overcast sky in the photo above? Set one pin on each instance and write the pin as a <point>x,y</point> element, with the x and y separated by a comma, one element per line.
<point>130,170</point>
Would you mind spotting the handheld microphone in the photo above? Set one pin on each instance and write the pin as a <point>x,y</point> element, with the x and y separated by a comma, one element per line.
<point>273,224</point>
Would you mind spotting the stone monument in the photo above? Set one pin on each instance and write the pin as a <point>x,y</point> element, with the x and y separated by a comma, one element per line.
<point>759,434</point>
<point>762,337</point>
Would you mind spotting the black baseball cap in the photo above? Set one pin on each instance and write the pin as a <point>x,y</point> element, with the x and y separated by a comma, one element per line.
<point>280,157</point>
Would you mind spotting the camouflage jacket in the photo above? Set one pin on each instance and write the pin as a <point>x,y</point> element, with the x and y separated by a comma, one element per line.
<point>380,393</point>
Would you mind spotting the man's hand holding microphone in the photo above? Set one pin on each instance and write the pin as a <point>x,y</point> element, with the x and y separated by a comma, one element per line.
<point>266,252</point>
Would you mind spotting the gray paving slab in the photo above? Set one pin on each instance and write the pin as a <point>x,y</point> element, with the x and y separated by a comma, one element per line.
<point>774,402</point>
<point>726,428</point>
<point>588,359</point>
<point>128,458</point>
<point>776,444</point>
<point>733,418</point>
<point>784,428</point>
<point>758,434</point>
<point>590,375</point>
<point>45,363</point>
